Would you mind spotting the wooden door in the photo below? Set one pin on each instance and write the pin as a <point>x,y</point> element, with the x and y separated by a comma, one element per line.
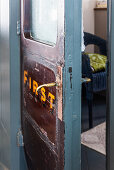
<point>51,83</point>
<point>42,42</point>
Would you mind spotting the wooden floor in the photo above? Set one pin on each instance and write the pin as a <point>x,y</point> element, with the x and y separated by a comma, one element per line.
<point>95,138</point>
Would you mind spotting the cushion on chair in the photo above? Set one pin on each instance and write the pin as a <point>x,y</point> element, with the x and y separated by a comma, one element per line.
<point>97,62</point>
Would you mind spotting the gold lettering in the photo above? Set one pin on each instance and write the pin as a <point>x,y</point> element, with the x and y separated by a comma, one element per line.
<point>35,86</point>
<point>25,76</point>
<point>43,96</point>
<point>29,82</point>
<point>52,97</point>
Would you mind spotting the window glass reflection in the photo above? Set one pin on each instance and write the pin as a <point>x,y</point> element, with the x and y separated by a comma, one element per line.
<point>44,20</point>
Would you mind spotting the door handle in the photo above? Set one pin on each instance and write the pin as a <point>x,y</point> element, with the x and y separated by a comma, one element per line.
<point>85,80</point>
<point>46,85</point>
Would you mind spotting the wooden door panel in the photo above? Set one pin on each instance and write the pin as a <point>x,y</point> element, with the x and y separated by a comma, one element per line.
<point>42,111</point>
<point>40,105</point>
<point>42,119</point>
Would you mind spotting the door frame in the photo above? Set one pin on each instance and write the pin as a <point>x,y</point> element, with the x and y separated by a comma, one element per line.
<point>72,84</point>
<point>110,93</point>
<point>73,116</point>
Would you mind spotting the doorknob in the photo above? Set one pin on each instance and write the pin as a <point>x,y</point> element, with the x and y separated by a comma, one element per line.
<point>85,80</point>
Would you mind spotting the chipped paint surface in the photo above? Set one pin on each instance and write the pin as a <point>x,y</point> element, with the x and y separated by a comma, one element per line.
<point>59,80</point>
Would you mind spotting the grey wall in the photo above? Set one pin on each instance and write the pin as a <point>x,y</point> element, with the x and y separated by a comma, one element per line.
<point>88,15</point>
<point>88,18</point>
<point>4,85</point>
<point>11,156</point>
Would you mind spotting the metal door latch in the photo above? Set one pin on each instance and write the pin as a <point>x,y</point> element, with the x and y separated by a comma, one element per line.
<point>85,80</point>
<point>18,27</point>
<point>20,139</point>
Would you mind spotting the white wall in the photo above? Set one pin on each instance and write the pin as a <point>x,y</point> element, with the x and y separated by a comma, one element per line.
<point>88,18</point>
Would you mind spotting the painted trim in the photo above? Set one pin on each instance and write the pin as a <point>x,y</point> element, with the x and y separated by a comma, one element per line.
<point>72,84</point>
<point>110,82</point>
<point>16,153</point>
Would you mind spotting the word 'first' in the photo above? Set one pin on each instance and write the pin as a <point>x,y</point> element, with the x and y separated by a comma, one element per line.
<point>34,87</point>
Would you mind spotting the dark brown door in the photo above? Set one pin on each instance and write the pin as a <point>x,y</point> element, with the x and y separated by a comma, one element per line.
<point>42,53</point>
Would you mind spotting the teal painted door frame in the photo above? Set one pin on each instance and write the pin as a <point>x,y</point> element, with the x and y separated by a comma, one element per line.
<point>11,156</point>
<point>72,84</point>
<point>17,158</point>
<point>110,82</point>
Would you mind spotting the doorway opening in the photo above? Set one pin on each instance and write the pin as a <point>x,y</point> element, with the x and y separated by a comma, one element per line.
<point>94,89</point>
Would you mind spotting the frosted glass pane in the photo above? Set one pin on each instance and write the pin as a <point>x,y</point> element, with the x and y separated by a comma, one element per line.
<point>44,20</point>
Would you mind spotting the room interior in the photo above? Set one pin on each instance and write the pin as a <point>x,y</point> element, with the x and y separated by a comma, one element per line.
<point>93,139</point>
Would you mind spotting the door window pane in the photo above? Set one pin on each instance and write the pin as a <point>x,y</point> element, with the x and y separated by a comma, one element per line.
<point>44,20</point>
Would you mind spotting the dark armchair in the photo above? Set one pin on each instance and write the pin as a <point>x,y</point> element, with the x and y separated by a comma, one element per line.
<point>98,79</point>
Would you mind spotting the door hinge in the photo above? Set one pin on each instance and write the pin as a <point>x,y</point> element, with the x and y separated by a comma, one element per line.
<point>20,138</point>
<point>18,27</point>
